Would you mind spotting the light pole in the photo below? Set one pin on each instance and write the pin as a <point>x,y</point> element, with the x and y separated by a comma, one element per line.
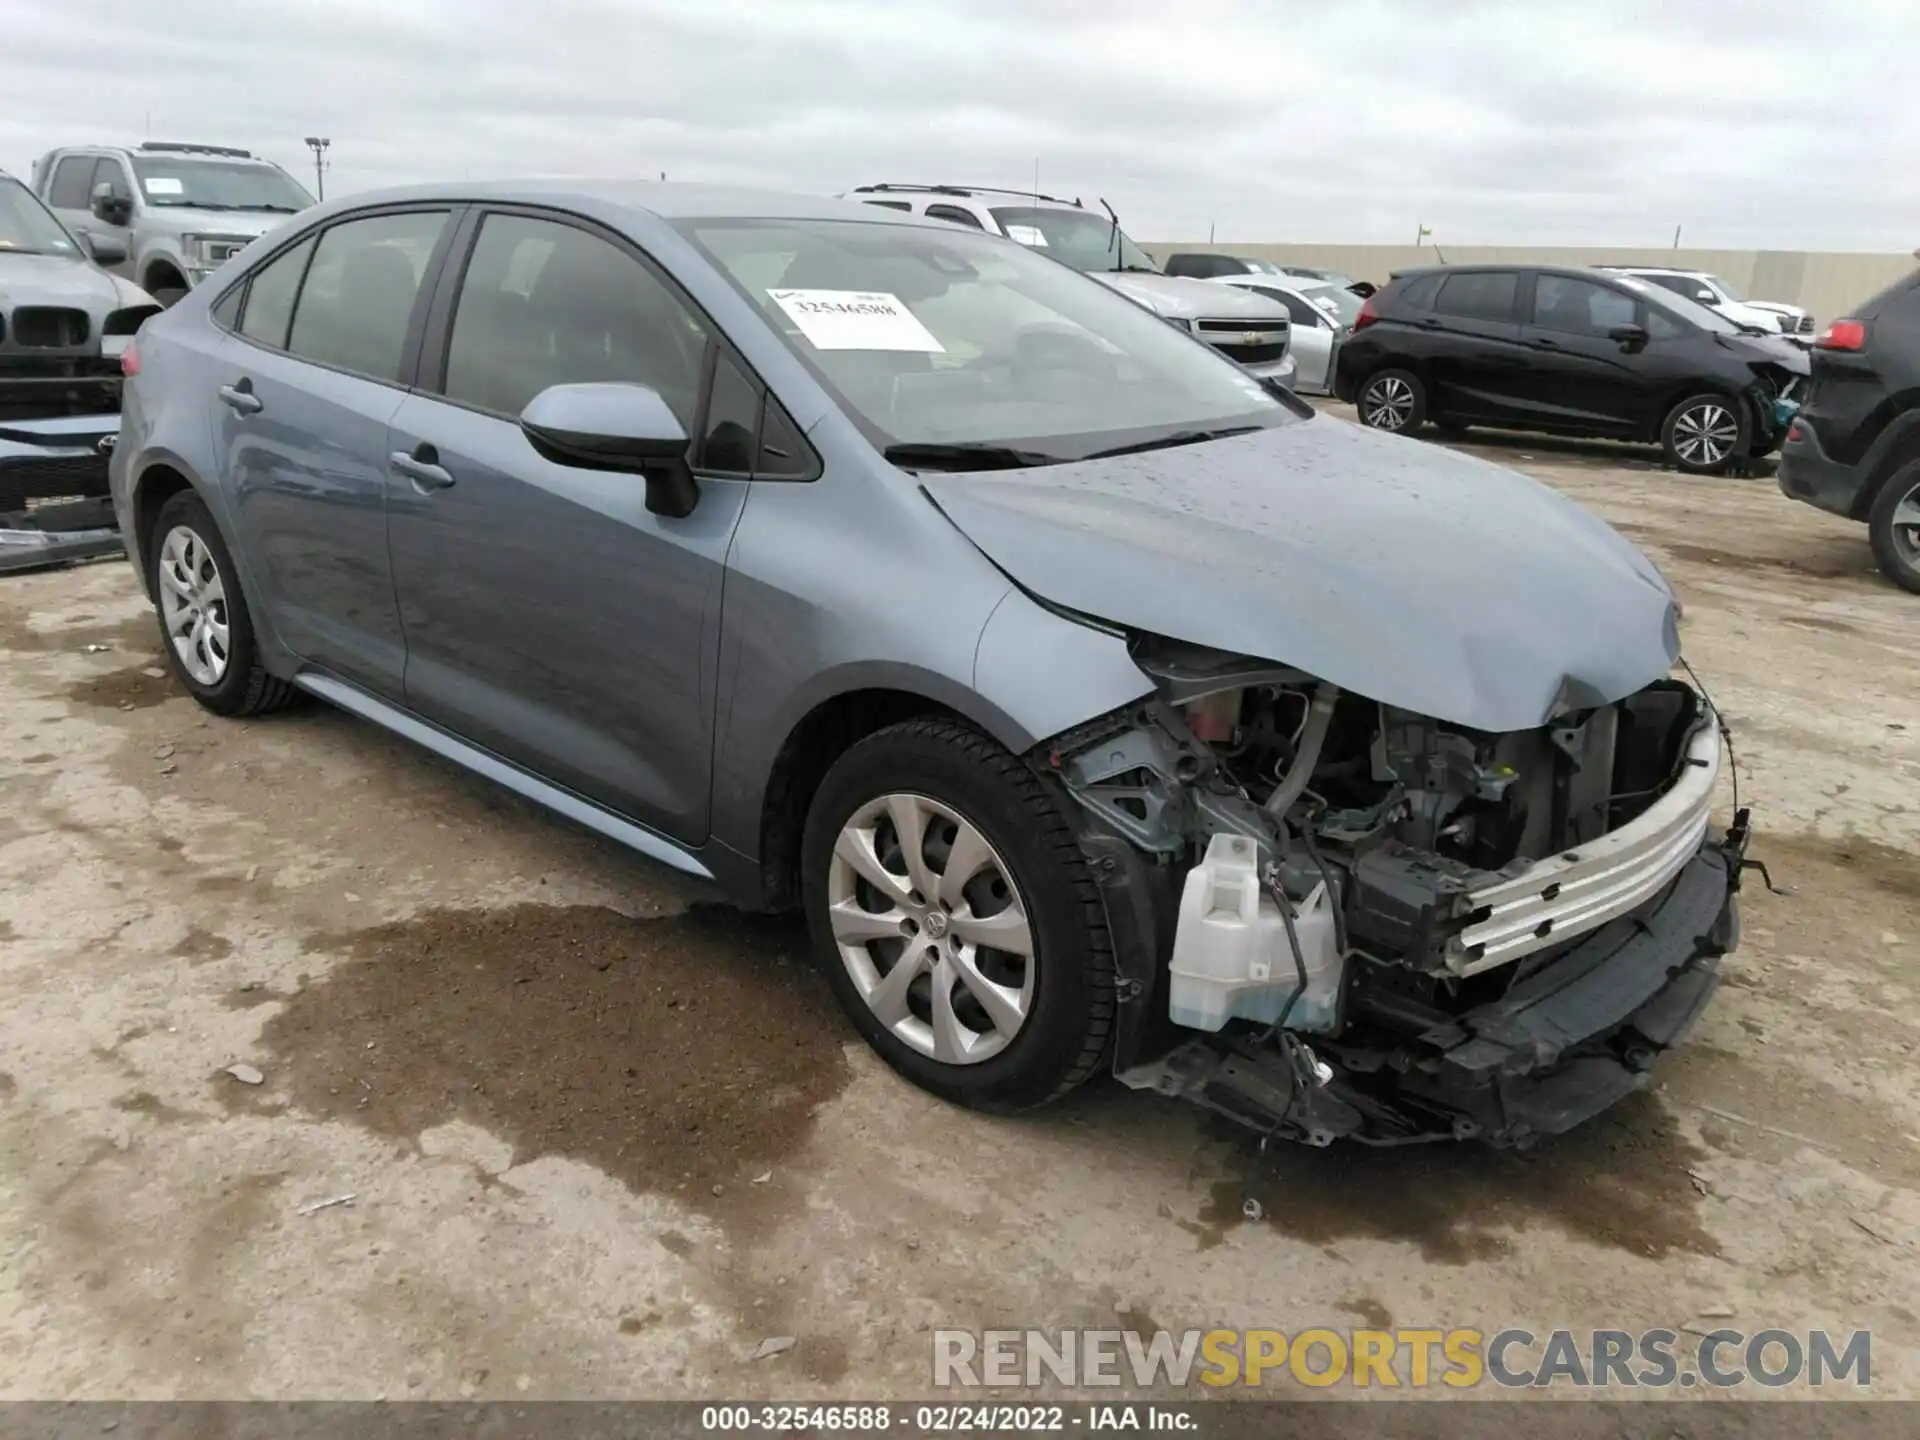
<point>318,144</point>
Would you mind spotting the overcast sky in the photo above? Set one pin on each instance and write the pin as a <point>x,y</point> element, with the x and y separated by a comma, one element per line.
<point>1766,123</point>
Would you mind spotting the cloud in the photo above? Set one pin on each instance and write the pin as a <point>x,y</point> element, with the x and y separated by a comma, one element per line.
<point>1773,124</point>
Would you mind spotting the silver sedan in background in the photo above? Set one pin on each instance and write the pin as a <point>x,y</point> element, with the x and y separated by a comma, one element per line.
<point>1323,313</point>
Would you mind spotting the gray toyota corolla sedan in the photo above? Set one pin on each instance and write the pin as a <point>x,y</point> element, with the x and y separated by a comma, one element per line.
<point>1102,707</point>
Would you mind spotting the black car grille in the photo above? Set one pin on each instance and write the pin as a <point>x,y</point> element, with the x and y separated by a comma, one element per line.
<point>46,327</point>
<point>58,477</point>
<point>49,388</point>
<point>1211,328</point>
<point>1251,354</point>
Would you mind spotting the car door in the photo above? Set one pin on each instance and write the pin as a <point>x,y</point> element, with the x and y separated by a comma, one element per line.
<point>110,172</point>
<point>1582,377</point>
<point>1312,338</point>
<point>1475,362</point>
<point>550,617</point>
<point>69,187</point>
<point>312,373</point>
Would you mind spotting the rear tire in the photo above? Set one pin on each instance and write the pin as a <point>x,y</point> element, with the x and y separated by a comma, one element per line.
<point>206,628</point>
<point>1394,401</point>
<point>1705,433</point>
<point>1012,1031</point>
<point>1893,527</point>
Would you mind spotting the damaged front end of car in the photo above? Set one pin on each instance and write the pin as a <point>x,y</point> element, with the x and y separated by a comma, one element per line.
<point>1333,918</point>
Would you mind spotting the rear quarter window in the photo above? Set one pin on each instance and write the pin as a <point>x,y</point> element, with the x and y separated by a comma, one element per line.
<point>1418,293</point>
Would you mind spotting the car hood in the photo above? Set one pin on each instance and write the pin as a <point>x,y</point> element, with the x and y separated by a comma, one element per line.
<point>186,219</point>
<point>1775,349</point>
<point>1413,575</point>
<point>1175,297</point>
<point>63,280</point>
<point>1776,307</point>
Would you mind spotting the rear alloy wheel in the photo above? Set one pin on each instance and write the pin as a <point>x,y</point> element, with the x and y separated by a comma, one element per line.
<point>203,614</point>
<point>956,918</point>
<point>1893,527</point>
<point>1394,401</point>
<point>1704,433</point>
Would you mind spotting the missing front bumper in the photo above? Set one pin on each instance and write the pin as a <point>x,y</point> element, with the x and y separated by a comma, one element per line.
<point>1563,1043</point>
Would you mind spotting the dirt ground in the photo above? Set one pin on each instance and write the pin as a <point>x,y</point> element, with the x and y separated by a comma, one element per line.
<point>604,1137</point>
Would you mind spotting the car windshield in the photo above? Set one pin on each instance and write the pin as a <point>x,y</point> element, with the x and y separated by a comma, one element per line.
<point>1341,304</point>
<point>218,185</point>
<point>937,337</point>
<point>1078,238</point>
<point>1689,310</point>
<point>27,227</point>
<point>1725,289</point>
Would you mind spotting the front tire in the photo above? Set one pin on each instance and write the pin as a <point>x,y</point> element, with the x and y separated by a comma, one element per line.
<point>206,628</point>
<point>1394,401</point>
<point>956,918</point>
<point>1893,527</point>
<point>1704,434</point>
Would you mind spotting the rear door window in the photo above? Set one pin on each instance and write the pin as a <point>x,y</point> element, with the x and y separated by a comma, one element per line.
<point>1478,295</point>
<point>72,178</point>
<point>956,215</point>
<point>358,298</point>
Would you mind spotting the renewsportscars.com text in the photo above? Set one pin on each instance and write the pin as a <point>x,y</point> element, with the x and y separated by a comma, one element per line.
<point>1418,1359</point>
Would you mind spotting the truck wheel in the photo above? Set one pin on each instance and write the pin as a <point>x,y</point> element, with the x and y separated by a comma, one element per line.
<point>1893,527</point>
<point>204,620</point>
<point>956,918</point>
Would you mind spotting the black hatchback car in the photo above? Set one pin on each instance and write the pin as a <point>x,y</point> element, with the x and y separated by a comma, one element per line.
<point>1568,352</point>
<point>1854,448</point>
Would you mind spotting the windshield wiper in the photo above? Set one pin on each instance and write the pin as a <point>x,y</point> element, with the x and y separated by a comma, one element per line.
<point>964,455</point>
<point>276,209</point>
<point>1135,270</point>
<point>1178,437</point>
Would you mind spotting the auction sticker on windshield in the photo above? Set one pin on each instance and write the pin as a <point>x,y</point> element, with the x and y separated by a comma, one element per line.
<point>163,185</point>
<point>1030,235</point>
<point>856,320</point>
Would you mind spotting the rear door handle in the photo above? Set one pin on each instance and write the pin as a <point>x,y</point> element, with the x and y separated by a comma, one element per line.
<point>422,468</point>
<point>239,397</point>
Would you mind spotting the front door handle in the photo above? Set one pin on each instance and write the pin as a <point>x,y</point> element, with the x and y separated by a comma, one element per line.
<point>422,467</point>
<point>239,397</point>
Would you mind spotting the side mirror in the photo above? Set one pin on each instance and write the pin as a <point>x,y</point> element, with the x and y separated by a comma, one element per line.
<point>113,209</point>
<point>105,249</point>
<point>1630,337</point>
<point>1706,297</point>
<point>616,427</point>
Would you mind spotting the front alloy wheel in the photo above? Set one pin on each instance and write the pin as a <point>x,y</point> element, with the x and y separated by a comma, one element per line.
<point>931,928</point>
<point>956,917</point>
<point>1703,434</point>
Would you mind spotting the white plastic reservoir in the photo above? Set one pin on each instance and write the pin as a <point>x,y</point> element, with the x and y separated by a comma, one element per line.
<point>1231,959</point>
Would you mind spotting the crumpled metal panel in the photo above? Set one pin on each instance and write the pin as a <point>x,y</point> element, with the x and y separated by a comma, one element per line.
<point>1411,574</point>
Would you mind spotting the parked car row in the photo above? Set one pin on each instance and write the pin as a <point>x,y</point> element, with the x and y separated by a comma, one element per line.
<point>1053,665</point>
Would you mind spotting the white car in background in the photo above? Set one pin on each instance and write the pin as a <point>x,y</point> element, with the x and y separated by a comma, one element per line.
<point>1323,314</point>
<point>1704,288</point>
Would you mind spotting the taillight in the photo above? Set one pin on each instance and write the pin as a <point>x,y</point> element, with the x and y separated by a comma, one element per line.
<point>1366,316</point>
<point>1796,431</point>
<point>130,359</point>
<point>1843,335</point>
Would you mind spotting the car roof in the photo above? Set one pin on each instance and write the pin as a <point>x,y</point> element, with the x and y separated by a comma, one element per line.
<point>666,200</point>
<point>1587,272</point>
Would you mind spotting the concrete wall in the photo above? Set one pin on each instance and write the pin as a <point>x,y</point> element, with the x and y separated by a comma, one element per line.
<point>1827,282</point>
